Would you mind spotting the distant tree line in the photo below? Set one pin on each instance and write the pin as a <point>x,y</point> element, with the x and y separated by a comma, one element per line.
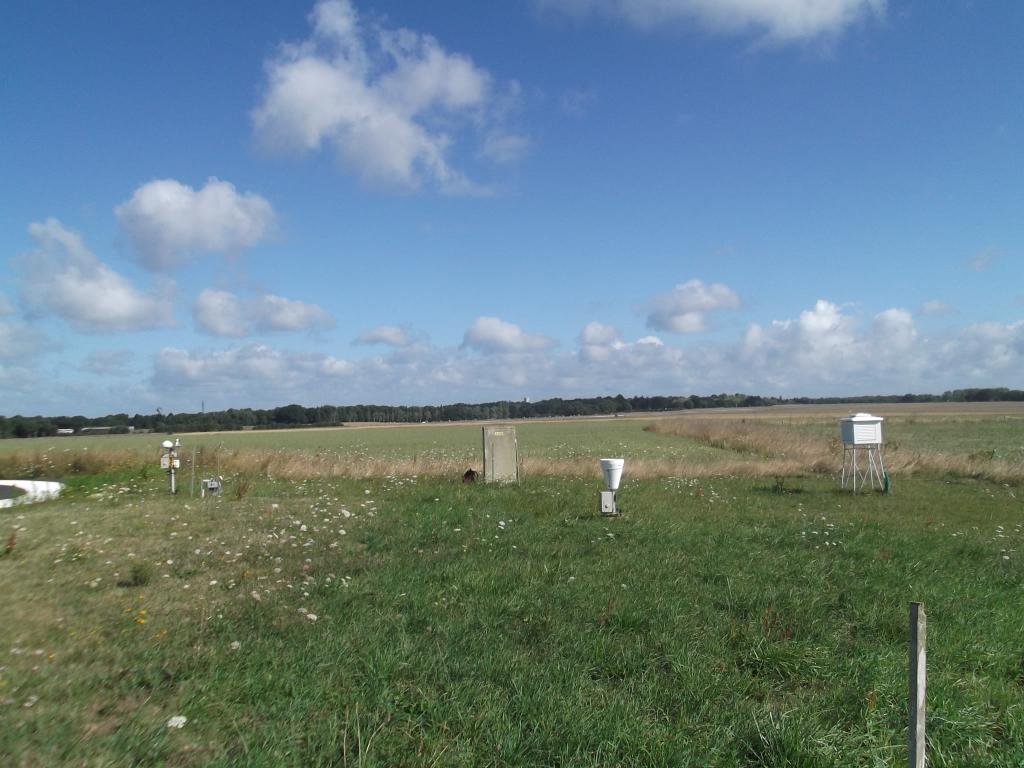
<point>290,416</point>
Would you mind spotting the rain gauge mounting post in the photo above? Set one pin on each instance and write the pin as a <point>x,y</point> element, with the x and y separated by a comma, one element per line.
<point>169,461</point>
<point>861,434</point>
<point>612,471</point>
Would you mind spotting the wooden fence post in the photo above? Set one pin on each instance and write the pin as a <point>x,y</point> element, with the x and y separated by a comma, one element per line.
<point>918,681</point>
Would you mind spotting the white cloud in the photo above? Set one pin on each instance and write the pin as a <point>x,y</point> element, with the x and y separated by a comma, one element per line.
<point>220,313</point>
<point>224,314</point>
<point>826,348</point>
<point>168,222</point>
<point>985,354</point>
<point>494,335</point>
<point>936,307</point>
<point>577,102</point>
<point>390,335</point>
<point>19,341</point>
<point>108,362</point>
<point>253,373</point>
<point>62,276</point>
<point>651,340</point>
<point>260,374</point>
<point>600,343</point>
<point>597,341</point>
<point>778,20</point>
<point>820,344</point>
<point>982,260</point>
<point>599,334</point>
<point>255,362</point>
<point>501,147</point>
<point>683,309</point>
<point>385,99</point>
<point>276,313</point>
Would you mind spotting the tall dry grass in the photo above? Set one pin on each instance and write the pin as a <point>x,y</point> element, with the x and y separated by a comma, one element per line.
<point>295,464</point>
<point>288,464</point>
<point>45,465</point>
<point>771,447</point>
<point>755,449</point>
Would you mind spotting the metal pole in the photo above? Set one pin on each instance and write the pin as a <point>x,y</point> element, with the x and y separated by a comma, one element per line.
<point>918,680</point>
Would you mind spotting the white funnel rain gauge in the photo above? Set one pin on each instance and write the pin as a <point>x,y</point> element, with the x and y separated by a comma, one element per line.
<point>612,471</point>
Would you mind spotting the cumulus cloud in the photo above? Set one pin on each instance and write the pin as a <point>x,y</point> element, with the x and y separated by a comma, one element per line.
<point>597,341</point>
<point>222,313</point>
<point>386,100</point>
<point>493,335</point>
<point>276,313</point>
<point>778,20</point>
<point>258,373</point>
<point>106,362</point>
<point>168,222</point>
<point>255,374</point>
<point>599,334</point>
<point>600,343</point>
<point>986,354</point>
<point>816,344</point>
<point>576,102</point>
<point>683,309</point>
<point>389,335</point>
<point>936,307</point>
<point>501,147</point>
<point>826,347</point>
<point>62,276</point>
<point>982,260</point>
<point>19,341</point>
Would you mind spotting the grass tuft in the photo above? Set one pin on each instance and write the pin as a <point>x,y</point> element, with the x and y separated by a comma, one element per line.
<point>139,575</point>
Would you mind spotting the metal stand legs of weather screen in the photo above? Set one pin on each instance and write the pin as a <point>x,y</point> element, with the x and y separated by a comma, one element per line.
<point>862,464</point>
<point>501,455</point>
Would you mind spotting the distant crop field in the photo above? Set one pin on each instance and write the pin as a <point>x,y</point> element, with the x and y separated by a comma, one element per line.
<point>962,439</point>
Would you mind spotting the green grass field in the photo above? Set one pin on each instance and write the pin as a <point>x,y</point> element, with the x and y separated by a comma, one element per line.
<point>420,621</point>
<point>555,440</point>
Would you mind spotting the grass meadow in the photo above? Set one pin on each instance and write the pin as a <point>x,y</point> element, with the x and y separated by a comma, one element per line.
<point>349,602</point>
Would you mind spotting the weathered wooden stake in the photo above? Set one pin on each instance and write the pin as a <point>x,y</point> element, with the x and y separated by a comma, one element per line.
<point>918,682</point>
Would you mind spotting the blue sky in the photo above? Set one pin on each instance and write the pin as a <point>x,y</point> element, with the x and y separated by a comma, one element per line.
<point>251,204</point>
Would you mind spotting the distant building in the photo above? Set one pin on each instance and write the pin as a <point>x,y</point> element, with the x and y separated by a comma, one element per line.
<point>65,431</point>
<point>94,431</point>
